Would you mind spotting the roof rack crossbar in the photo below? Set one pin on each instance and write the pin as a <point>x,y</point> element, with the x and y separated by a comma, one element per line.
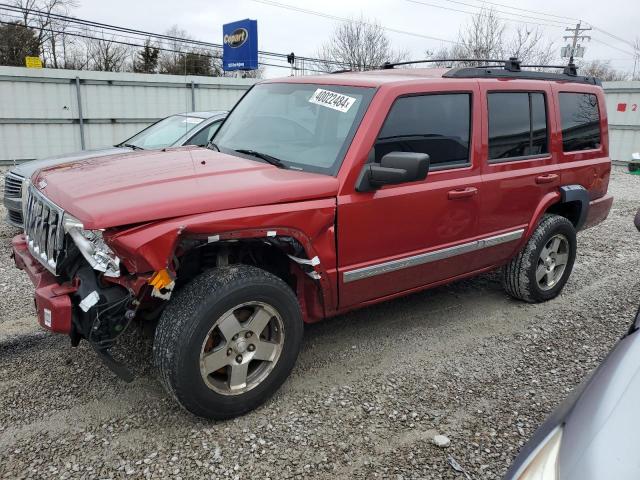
<point>569,73</point>
<point>388,65</point>
<point>510,65</point>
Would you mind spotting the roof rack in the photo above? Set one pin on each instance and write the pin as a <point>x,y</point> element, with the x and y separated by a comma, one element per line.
<point>388,65</point>
<point>511,68</point>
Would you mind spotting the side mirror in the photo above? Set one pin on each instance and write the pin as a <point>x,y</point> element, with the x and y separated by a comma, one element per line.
<point>394,168</point>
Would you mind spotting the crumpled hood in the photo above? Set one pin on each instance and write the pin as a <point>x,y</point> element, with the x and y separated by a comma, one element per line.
<point>28,168</point>
<point>113,191</point>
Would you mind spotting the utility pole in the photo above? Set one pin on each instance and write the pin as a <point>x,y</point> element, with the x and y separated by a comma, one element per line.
<point>577,35</point>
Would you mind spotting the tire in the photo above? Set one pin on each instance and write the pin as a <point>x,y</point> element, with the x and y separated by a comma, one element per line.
<point>521,276</point>
<point>194,327</point>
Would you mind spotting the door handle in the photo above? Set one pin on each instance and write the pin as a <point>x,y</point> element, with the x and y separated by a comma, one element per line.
<point>548,178</point>
<point>463,193</point>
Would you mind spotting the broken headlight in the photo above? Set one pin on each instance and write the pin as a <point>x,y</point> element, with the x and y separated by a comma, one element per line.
<point>92,247</point>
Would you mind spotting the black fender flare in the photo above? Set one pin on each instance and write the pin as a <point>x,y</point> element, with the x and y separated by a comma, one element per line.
<point>576,193</point>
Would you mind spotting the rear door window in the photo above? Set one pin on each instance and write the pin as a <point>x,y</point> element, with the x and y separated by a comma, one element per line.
<point>580,121</point>
<point>517,125</point>
<point>436,124</point>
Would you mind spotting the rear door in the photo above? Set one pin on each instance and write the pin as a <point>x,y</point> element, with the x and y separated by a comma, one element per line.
<point>518,168</point>
<point>402,237</point>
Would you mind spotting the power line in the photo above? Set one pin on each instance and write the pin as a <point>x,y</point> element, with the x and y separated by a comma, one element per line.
<point>137,45</point>
<point>478,14</point>
<point>614,47</point>
<point>615,37</point>
<point>105,26</point>
<point>497,11</point>
<point>517,8</point>
<point>344,19</point>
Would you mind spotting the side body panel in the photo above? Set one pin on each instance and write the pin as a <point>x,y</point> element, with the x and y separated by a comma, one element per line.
<point>404,223</point>
<point>515,189</point>
<point>518,193</point>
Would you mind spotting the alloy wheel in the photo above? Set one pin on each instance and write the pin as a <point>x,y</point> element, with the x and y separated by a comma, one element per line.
<point>242,348</point>
<point>552,262</point>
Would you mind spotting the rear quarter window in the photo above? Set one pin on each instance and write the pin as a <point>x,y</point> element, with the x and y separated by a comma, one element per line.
<point>580,119</point>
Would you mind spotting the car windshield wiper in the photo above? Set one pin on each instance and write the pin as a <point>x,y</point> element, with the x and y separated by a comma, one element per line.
<point>131,146</point>
<point>211,145</point>
<point>262,156</point>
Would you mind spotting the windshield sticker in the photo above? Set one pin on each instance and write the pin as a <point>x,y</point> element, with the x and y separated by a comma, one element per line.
<point>193,120</point>
<point>329,99</point>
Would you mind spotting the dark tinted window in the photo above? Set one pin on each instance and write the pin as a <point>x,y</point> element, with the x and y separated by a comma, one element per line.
<point>538,124</point>
<point>437,125</point>
<point>517,125</point>
<point>203,137</point>
<point>580,121</point>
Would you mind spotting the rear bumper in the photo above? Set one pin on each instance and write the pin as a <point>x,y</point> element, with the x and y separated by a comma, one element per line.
<point>52,300</point>
<point>598,211</point>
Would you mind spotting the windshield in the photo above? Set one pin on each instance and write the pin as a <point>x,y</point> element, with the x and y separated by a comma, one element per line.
<point>305,126</point>
<point>164,133</point>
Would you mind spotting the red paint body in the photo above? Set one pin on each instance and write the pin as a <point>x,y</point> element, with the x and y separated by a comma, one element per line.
<point>148,204</point>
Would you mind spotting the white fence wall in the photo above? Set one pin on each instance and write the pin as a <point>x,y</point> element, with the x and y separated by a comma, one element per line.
<point>623,110</point>
<point>39,114</point>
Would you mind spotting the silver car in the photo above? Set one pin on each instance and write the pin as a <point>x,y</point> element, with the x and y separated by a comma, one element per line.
<point>592,435</point>
<point>194,128</point>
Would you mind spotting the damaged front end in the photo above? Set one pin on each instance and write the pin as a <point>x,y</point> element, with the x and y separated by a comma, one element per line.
<point>79,288</point>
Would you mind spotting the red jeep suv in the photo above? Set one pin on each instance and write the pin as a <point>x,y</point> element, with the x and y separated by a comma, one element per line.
<point>320,195</point>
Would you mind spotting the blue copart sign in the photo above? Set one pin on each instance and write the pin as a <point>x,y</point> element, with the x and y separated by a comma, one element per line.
<point>240,45</point>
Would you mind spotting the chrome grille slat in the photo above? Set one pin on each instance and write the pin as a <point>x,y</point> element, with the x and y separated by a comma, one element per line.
<point>44,230</point>
<point>12,185</point>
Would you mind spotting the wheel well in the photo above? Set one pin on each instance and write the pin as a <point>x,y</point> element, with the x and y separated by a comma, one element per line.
<point>195,257</point>
<point>572,211</point>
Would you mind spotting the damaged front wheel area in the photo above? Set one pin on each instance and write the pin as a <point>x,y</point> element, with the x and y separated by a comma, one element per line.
<point>228,340</point>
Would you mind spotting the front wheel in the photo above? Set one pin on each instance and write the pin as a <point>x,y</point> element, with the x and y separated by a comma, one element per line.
<point>228,340</point>
<point>541,269</point>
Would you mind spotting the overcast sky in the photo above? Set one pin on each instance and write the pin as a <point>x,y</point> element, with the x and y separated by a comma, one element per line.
<point>283,30</point>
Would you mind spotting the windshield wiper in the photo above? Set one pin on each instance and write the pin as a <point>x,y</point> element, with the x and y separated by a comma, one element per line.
<point>262,156</point>
<point>131,146</point>
<point>211,145</point>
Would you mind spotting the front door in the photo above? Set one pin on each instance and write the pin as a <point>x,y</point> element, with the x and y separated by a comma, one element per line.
<point>403,237</point>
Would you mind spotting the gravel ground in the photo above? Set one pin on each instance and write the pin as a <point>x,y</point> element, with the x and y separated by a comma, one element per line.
<point>370,390</point>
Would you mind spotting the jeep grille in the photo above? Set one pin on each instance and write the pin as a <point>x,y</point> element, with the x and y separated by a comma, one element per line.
<point>43,229</point>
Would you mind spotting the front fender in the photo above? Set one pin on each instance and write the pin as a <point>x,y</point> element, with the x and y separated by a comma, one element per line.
<point>151,247</point>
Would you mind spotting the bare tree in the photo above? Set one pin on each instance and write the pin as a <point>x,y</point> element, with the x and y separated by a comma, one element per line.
<point>486,36</point>
<point>39,15</point>
<point>358,44</point>
<point>180,57</point>
<point>603,70</point>
<point>108,56</point>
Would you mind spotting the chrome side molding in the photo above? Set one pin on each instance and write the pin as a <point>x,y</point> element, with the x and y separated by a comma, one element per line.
<point>408,262</point>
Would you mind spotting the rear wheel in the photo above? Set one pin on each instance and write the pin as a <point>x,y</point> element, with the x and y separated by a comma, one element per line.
<point>228,340</point>
<point>541,269</point>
